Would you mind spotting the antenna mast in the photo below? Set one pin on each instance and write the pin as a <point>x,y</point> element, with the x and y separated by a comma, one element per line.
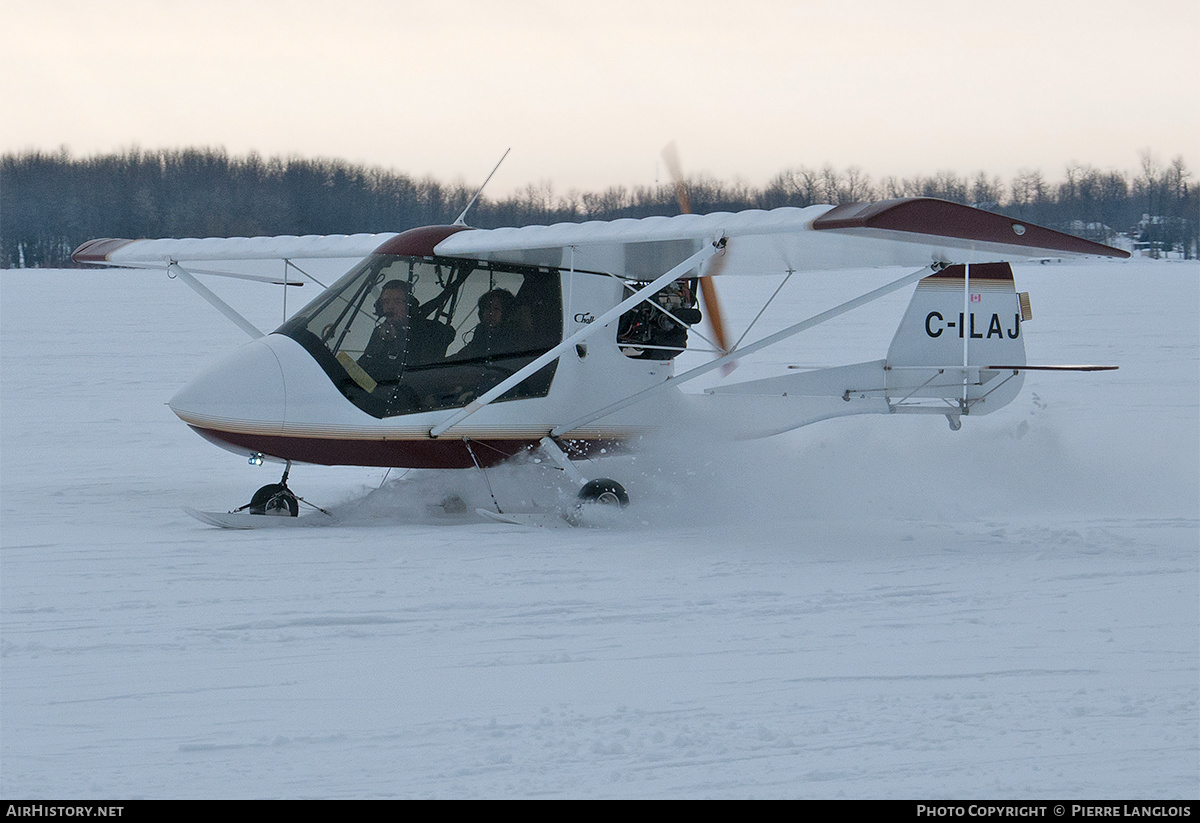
<point>462,218</point>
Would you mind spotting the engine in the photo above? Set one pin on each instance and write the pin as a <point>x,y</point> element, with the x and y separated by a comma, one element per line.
<point>657,328</point>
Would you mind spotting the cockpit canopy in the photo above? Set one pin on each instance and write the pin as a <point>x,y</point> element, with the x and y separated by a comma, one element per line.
<point>403,334</point>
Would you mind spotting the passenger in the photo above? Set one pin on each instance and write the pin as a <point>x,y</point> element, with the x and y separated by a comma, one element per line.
<point>494,335</point>
<point>538,313</point>
<point>400,339</point>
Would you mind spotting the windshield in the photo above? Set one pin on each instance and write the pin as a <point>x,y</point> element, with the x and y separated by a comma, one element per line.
<point>399,335</point>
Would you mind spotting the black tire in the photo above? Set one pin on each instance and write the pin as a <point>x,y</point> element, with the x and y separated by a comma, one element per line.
<point>604,492</point>
<point>275,499</point>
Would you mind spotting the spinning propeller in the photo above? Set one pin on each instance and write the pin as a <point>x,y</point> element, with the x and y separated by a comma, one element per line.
<point>708,291</point>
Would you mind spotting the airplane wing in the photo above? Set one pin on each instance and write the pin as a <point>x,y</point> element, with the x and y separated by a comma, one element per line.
<point>169,253</point>
<point>908,231</point>
<point>157,253</point>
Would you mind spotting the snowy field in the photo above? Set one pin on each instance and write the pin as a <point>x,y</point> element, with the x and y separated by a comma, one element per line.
<point>868,607</point>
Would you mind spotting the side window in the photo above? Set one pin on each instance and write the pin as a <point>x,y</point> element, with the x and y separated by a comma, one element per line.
<point>399,335</point>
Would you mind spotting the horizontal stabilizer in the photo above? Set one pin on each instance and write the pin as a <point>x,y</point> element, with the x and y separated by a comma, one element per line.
<point>1052,368</point>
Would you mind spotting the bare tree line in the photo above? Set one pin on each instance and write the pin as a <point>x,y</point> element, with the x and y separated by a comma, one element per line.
<point>51,202</point>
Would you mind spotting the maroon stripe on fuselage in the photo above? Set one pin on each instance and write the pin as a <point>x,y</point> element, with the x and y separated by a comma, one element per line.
<point>443,453</point>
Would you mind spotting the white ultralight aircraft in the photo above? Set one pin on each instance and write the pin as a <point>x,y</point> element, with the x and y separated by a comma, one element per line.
<point>453,347</point>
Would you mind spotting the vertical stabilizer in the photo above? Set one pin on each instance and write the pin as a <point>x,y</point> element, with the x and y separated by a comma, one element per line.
<point>960,321</point>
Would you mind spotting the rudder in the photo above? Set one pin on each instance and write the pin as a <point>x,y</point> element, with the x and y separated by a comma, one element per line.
<point>960,340</point>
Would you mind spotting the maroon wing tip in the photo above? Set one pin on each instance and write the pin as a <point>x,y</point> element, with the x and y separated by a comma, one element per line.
<point>928,215</point>
<point>97,251</point>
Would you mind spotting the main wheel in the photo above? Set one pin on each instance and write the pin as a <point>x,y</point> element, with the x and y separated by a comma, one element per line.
<point>605,492</point>
<point>275,499</point>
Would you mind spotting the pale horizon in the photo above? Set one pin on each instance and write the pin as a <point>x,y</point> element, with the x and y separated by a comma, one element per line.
<point>587,97</point>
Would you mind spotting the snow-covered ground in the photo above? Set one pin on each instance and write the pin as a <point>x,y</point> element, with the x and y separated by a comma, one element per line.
<point>868,607</point>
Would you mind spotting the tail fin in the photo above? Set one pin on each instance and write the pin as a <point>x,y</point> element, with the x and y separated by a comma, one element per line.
<point>961,321</point>
<point>959,350</point>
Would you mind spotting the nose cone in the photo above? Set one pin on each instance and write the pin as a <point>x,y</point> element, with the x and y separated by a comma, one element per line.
<point>240,394</point>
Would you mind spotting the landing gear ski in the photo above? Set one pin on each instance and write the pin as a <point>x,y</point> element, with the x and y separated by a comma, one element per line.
<point>598,504</point>
<point>272,506</point>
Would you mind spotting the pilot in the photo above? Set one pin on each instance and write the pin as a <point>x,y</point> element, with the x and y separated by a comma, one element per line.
<point>495,334</point>
<point>401,339</point>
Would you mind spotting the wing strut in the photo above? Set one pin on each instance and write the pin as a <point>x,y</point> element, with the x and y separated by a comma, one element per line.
<point>176,270</point>
<point>707,251</point>
<point>769,340</point>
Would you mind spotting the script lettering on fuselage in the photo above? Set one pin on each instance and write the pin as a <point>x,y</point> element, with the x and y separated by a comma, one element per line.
<point>935,324</point>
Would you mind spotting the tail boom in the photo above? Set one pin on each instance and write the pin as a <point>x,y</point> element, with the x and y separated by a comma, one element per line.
<point>960,323</point>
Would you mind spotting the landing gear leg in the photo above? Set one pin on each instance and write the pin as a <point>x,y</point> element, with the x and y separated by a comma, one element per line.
<point>603,491</point>
<point>555,453</point>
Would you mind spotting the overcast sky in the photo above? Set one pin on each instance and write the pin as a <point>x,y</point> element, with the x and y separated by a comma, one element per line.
<point>588,94</point>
